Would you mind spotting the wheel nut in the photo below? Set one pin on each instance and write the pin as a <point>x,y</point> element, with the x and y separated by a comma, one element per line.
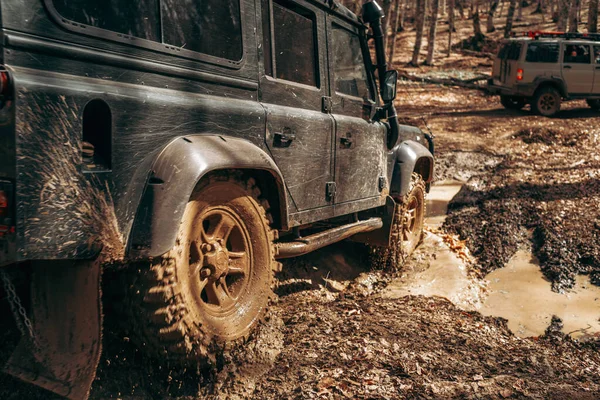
<point>204,273</point>
<point>206,247</point>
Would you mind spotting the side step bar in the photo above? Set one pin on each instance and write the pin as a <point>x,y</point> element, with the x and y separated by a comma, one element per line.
<point>310,243</point>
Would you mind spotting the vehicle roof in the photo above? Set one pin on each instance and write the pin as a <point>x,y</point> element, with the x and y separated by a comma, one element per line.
<point>338,8</point>
<point>552,40</point>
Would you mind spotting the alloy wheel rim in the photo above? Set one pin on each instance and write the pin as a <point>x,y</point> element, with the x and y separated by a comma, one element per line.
<point>220,261</point>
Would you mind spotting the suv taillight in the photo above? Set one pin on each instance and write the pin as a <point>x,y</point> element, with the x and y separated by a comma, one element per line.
<point>7,224</point>
<point>519,74</point>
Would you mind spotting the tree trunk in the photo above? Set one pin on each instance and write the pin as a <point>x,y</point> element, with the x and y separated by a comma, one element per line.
<point>387,5</point>
<point>450,24</point>
<point>395,21</point>
<point>476,22</point>
<point>593,17</point>
<point>443,6</point>
<point>490,21</point>
<point>509,18</point>
<point>419,25</point>
<point>573,17</point>
<point>520,10</point>
<point>502,3</point>
<point>563,15</point>
<point>432,30</point>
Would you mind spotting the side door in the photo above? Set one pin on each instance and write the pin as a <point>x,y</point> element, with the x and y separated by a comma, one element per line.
<point>293,86</point>
<point>360,144</point>
<point>577,69</point>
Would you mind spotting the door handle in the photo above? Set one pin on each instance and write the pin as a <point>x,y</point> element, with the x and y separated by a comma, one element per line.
<point>567,67</point>
<point>597,67</point>
<point>346,142</point>
<point>283,139</point>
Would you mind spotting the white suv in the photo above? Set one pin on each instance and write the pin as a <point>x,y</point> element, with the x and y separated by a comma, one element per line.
<point>544,68</point>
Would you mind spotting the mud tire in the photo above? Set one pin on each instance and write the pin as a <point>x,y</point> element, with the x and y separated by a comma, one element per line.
<point>174,315</point>
<point>512,102</point>
<point>546,102</point>
<point>407,231</point>
<point>593,103</point>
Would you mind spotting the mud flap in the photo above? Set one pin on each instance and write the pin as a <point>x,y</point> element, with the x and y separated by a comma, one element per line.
<point>67,322</point>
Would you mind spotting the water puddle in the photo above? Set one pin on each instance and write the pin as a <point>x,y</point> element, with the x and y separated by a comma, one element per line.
<point>518,292</point>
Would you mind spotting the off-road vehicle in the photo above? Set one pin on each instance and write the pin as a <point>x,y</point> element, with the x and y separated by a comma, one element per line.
<point>195,144</point>
<point>544,68</point>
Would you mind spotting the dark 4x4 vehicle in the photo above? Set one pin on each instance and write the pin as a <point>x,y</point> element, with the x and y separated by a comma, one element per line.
<point>543,68</point>
<point>197,142</point>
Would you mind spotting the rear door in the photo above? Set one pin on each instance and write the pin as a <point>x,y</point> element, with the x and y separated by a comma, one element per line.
<point>505,68</point>
<point>577,68</point>
<point>360,144</point>
<point>596,87</point>
<point>293,86</point>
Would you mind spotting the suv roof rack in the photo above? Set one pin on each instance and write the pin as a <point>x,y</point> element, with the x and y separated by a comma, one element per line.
<point>558,35</point>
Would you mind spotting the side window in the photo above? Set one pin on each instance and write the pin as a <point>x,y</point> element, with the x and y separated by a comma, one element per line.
<point>211,26</point>
<point>139,18</point>
<point>597,54</point>
<point>294,44</point>
<point>577,54</point>
<point>542,52</point>
<point>349,67</point>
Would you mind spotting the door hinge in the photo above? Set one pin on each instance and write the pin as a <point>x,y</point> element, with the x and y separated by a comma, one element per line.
<point>382,183</point>
<point>327,104</point>
<point>330,191</point>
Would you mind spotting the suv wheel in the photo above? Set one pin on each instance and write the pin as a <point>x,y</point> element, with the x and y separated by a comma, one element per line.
<point>546,102</point>
<point>593,103</point>
<point>407,229</point>
<point>215,284</point>
<point>512,102</point>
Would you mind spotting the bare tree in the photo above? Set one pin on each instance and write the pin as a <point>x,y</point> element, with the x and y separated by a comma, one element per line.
<point>450,24</point>
<point>509,18</point>
<point>476,21</point>
<point>432,30</point>
<point>395,22</point>
<point>490,21</point>
<point>573,16</point>
<point>387,5</point>
<point>520,10</point>
<point>563,15</point>
<point>592,24</point>
<point>419,25</point>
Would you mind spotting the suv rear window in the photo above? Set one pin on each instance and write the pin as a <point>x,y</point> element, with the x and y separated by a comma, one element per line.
<point>542,52</point>
<point>211,27</point>
<point>510,51</point>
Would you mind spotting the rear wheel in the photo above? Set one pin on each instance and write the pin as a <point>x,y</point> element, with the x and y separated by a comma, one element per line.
<point>215,284</point>
<point>593,103</point>
<point>546,102</point>
<point>512,102</point>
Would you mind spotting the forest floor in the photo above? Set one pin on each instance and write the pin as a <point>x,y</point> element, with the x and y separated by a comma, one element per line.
<point>335,332</point>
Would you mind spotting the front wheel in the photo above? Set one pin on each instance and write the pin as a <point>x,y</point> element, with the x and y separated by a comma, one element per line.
<point>593,103</point>
<point>546,102</point>
<point>407,228</point>
<point>214,286</point>
<point>512,102</point>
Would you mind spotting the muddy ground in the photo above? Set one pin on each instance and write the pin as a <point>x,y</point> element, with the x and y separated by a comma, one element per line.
<point>529,181</point>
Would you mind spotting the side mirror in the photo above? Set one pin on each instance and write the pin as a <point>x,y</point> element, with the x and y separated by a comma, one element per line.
<point>388,87</point>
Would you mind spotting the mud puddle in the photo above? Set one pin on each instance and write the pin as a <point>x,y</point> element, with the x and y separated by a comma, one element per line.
<point>518,292</point>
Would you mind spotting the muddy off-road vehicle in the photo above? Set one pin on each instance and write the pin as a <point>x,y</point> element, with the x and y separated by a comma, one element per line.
<point>543,68</point>
<point>193,144</point>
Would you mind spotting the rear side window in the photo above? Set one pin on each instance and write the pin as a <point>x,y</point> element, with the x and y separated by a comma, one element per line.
<point>510,51</point>
<point>350,72</point>
<point>295,44</point>
<point>211,27</point>
<point>139,18</point>
<point>542,52</point>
